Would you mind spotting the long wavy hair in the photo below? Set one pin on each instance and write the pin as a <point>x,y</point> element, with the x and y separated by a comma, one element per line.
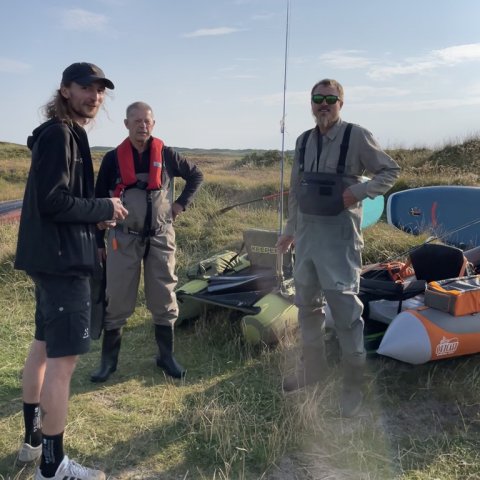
<point>58,107</point>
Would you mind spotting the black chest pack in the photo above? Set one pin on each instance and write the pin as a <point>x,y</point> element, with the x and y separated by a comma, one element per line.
<point>322,193</point>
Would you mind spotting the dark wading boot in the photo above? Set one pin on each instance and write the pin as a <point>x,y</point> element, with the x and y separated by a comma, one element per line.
<point>352,390</point>
<point>313,369</point>
<point>112,340</point>
<point>333,352</point>
<point>165,358</point>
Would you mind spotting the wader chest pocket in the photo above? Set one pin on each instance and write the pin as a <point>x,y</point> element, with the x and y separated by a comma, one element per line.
<point>321,193</point>
<point>325,189</point>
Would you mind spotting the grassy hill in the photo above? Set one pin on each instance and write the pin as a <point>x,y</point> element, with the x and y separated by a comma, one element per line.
<point>229,420</point>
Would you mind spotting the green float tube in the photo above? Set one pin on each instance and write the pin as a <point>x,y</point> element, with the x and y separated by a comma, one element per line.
<point>277,315</point>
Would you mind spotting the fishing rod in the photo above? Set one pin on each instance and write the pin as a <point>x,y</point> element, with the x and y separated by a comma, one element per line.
<point>247,202</point>
<point>282,160</point>
<point>428,241</point>
<point>437,237</point>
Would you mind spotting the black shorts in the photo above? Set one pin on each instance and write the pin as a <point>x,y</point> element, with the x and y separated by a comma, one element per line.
<point>62,316</point>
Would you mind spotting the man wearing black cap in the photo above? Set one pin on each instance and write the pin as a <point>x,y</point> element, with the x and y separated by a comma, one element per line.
<point>56,247</point>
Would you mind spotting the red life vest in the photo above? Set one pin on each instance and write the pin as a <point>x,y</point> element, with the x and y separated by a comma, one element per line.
<point>126,166</point>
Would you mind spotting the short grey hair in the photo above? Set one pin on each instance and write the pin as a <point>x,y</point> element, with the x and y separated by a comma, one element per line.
<point>329,82</point>
<point>135,105</point>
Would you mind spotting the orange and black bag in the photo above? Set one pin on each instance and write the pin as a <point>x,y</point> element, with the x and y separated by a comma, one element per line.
<point>456,296</point>
<point>398,272</point>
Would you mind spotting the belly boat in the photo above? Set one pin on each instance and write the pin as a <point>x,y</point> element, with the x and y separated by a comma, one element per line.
<point>245,283</point>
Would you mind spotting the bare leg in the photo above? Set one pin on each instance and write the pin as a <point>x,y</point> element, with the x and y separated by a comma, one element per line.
<point>34,372</point>
<point>55,393</point>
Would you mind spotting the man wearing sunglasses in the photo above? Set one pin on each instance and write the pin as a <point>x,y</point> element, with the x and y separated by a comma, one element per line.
<point>325,213</point>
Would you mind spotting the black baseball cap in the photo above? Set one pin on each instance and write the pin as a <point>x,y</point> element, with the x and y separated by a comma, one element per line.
<point>85,74</point>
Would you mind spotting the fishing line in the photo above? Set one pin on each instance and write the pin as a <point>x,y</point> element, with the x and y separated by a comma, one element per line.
<point>282,125</point>
<point>426,242</point>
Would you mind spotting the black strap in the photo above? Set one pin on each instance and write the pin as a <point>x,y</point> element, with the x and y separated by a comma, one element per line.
<point>147,248</point>
<point>301,153</point>
<point>343,149</point>
<point>147,224</point>
<point>117,169</point>
<point>319,147</point>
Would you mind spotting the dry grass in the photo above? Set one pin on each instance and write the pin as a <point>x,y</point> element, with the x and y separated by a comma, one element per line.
<point>228,420</point>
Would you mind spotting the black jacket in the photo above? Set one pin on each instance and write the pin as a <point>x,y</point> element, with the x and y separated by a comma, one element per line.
<point>59,213</point>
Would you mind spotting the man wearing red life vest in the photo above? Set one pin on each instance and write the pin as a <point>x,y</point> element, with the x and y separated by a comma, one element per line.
<point>141,171</point>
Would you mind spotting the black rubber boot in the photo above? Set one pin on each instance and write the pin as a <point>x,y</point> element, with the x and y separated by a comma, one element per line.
<point>112,340</point>
<point>333,352</point>
<point>165,358</point>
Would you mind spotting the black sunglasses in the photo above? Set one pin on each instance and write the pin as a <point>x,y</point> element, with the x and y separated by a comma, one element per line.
<point>330,99</point>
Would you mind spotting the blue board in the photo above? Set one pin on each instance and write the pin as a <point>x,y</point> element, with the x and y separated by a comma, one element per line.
<point>441,211</point>
<point>372,210</point>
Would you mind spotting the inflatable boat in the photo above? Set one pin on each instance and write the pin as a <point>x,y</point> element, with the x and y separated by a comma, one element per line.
<point>441,322</point>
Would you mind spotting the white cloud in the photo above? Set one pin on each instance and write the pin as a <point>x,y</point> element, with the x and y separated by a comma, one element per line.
<point>435,59</point>
<point>211,32</point>
<point>7,65</point>
<point>388,71</point>
<point>83,20</point>
<point>421,105</point>
<point>345,59</point>
<point>355,94</point>
<point>459,53</point>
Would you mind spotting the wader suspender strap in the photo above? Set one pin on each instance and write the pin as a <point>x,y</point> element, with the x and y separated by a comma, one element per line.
<point>147,225</point>
<point>319,147</point>
<point>301,156</point>
<point>343,149</point>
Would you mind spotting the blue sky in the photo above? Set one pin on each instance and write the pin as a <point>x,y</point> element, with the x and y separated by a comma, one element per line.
<point>213,69</point>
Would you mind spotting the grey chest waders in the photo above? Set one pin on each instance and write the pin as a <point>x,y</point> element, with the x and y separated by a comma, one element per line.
<point>322,193</point>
